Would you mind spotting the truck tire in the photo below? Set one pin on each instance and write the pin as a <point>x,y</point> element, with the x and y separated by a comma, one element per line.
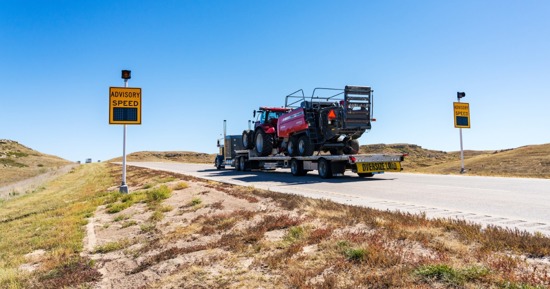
<point>325,171</point>
<point>247,139</point>
<point>264,143</point>
<point>243,164</point>
<point>305,147</point>
<point>292,146</point>
<point>219,162</point>
<point>236,162</point>
<point>297,168</point>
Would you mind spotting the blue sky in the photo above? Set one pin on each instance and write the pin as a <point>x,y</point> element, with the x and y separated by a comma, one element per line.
<point>200,62</point>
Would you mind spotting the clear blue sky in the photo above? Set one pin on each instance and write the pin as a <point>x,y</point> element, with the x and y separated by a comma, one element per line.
<point>200,62</point>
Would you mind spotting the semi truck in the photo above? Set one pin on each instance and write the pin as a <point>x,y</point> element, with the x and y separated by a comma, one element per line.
<point>317,133</point>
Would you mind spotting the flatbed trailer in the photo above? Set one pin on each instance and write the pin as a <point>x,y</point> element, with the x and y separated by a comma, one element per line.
<point>364,165</point>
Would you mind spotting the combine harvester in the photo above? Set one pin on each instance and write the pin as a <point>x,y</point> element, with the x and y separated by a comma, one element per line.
<point>310,133</point>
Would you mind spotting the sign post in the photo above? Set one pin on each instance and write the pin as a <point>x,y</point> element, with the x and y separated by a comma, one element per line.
<point>462,120</point>
<point>124,108</point>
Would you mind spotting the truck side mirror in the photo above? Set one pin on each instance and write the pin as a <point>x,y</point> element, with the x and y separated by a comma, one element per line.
<point>254,114</point>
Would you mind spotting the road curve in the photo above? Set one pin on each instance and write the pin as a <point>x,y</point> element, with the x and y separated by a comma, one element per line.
<point>507,202</point>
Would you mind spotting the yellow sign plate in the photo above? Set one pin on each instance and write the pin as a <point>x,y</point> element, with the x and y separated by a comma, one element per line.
<point>462,114</point>
<point>378,167</point>
<point>124,105</point>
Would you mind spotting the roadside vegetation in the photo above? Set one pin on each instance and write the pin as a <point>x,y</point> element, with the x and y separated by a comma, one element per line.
<point>47,227</point>
<point>178,231</point>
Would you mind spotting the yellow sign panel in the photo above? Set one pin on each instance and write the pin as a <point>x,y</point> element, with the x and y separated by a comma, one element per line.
<point>462,114</point>
<point>378,167</point>
<point>124,105</point>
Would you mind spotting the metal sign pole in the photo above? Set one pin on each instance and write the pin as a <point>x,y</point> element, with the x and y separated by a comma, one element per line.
<point>123,186</point>
<point>462,169</point>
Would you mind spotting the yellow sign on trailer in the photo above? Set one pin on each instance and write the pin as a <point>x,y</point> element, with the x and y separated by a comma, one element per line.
<point>124,105</point>
<point>462,114</point>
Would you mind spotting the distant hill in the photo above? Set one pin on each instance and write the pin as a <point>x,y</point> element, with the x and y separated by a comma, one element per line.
<point>531,161</point>
<point>18,162</point>
<point>171,156</point>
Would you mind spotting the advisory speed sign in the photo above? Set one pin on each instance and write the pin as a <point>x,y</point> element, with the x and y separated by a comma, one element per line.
<point>124,105</point>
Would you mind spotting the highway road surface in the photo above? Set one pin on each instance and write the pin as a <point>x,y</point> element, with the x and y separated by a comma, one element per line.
<point>507,202</point>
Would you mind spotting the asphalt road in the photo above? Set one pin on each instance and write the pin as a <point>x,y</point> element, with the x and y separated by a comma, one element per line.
<point>507,202</point>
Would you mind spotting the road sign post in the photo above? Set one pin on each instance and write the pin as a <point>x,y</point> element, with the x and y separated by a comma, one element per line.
<point>462,120</point>
<point>124,108</point>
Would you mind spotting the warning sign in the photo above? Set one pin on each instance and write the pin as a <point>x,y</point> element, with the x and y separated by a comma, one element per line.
<point>462,114</point>
<point>124,105</point>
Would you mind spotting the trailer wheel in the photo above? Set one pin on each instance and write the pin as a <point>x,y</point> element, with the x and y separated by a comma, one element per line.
<point>243,164</point>
<point>365,175</point>
<point>325,171</point>
<point>247,139</point>
<point>236,163</point>
<point>305,147</point>
<point>297,168</point>
<point>264,143</point>
<point>291,147</point>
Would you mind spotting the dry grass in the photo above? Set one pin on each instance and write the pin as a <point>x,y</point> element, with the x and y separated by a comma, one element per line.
<point>51,220</point>
<point>18,162</point>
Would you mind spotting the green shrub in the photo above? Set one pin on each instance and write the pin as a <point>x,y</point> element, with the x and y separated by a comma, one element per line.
<point>355,254</point>
<point>447,274</point>
<point>112,246</point>
<point>159,194</point>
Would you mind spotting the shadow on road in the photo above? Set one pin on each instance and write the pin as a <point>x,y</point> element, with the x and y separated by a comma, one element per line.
<point>287,177</point>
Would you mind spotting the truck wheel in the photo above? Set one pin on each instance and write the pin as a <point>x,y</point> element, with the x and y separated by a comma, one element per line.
<point>218,162</point>
<point>236,162</point>
<point>247,139</point>
<point>291,147</point>
<point>264,143</point>
<point>242,164</point>
<point>325,171</point>
<point>305,147</point>
<point>297,168</point>
<point>365,175</point>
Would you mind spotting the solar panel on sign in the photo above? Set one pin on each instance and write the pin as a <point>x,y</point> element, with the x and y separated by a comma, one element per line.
<point>125,114</point>
<point>462,121</point>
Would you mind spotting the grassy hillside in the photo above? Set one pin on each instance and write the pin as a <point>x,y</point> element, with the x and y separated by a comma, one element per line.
<point>173,156</point>
<point>529,161</point>
<point>18,162</point>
